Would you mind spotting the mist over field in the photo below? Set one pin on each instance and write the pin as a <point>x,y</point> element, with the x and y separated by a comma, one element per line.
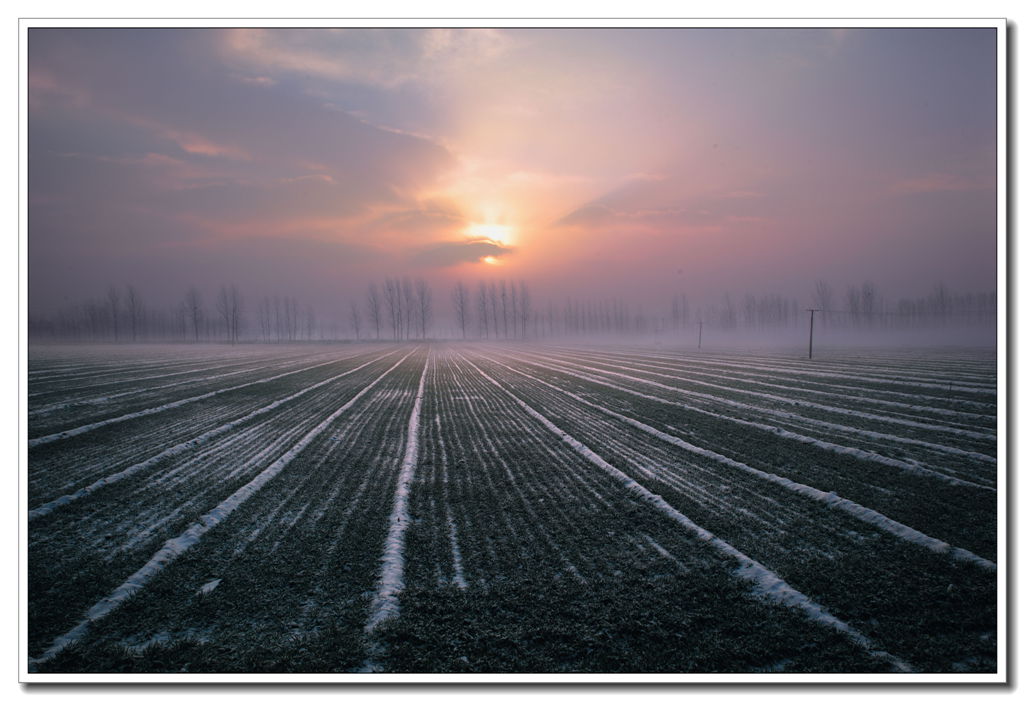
<point>537,351</point>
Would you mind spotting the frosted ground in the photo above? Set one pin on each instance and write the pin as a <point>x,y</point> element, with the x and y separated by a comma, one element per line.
<point>475,508</point>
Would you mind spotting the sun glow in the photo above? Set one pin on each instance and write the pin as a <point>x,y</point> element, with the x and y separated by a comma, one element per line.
<point>491,260</point>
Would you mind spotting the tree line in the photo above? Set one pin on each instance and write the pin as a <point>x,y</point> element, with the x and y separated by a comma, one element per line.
<point>403,309</point>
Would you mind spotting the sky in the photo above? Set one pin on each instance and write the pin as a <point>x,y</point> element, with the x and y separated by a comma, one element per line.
<point>588,162</point>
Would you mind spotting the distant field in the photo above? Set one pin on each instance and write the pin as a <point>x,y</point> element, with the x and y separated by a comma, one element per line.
<point>475,508</point>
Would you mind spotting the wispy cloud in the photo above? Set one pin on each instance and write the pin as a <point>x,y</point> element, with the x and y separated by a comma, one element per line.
<point>382,57</point>
<point>937,182</point>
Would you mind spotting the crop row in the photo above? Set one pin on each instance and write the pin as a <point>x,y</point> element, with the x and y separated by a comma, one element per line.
<point>519,509</point>
<point>81,549</point>
<point>962,457</point>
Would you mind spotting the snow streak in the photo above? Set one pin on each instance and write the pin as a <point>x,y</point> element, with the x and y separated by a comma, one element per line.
<point>762,410</point>
<point>42,440</point>
<point>906,465</point>
<point>792,402</point>
<point>176,546</point>
<point>182,447</point>
<point>748,375</point>
<point>453,537</point>
<point>830,499</point>
<point>392,575</point>
<point>765,582</point>
<point>77,403</point>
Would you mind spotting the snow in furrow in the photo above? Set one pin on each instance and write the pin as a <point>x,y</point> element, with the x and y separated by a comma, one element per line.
<point>102,356</point>
<point>120,369</point>
<point>763,410</point>
<point>42,440</point>
<point>453,537</point>
<point>880,377</point>
<point>459,578</point>
<point>906,465</point>
<point>281,363</point>
<point>482,555</point>
<point>804,403</point>
<point>176,546</point>
<point>935,380</point>
<point>649,464</point>
<point>76,403</point>
<point>57,369</point>
<point>182,447</point>
<point>833,393</point>
<point>880,360</point>
<point>225,458</point>
<point>356,425</point>
<point>218,464</point>
<point>392,575</point>
<point>760,365</point>
<point>658,548</point>
<point>539,490</point>
<point>762,508</point>
<point>830,499</point>
<point>984,408</point>
<point>123,380</point>
<point>488,456</point>
<point>326,501</point>
<point>765,582</point>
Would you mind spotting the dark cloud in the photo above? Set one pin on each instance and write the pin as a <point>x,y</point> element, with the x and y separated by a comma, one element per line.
<point>454,252</point>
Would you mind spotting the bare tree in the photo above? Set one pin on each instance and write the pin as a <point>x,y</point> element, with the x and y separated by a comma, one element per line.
<point>373,307</point>
<point>278,318</point>
<point>941,302</point>
<point>868,301</point>
<point>461,302</point>
<point>504,307</point>
<point>481,304</point>
<point>236,312</point>
<point>181,320</point>
<point>94,313</point>
<point>133,305</point>
<point>424,306</point>
<point>194,307</point>
<point>524,305</point>
<point>310,322</point>
<point>408,306</point>
<point>393,300</point>
<point>727,317</point>
<point>114,303</point>
<point>224,309</point>
<point>492,292</point>
<point>229,306</point>
<point>823,299</point>
<point>514,299</point>
<point>293,318</point>
<point>853,304</point>
<point>356,319</point>
<point>264,315</point>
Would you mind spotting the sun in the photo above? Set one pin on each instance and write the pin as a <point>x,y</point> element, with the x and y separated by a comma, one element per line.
<point>491,260</point>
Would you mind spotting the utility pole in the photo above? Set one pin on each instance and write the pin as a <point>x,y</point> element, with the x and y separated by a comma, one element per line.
<point>810,343</point>
<point>700,332</point>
